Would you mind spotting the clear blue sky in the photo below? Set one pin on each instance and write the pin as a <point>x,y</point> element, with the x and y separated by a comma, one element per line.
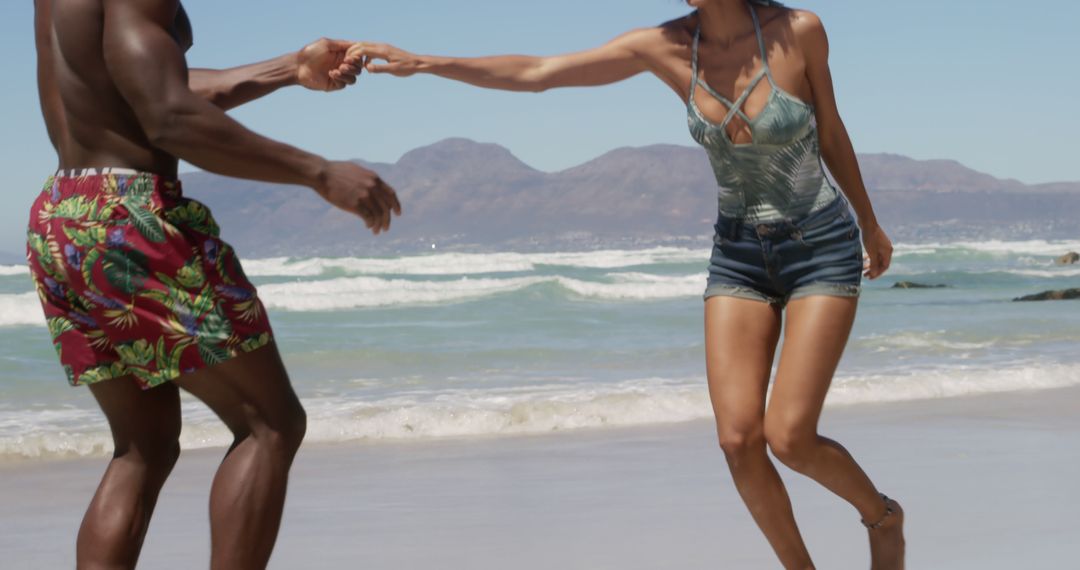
<point>989,83</point>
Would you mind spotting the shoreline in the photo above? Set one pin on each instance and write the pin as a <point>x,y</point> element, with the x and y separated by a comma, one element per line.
<point>984,480</point>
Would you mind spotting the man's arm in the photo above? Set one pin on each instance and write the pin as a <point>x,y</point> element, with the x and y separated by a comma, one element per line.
<point>149,70</point>
<point>321,66</point>
<point>48,93</point>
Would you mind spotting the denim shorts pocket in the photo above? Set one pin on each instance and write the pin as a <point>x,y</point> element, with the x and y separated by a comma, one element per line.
<point>836,230</point>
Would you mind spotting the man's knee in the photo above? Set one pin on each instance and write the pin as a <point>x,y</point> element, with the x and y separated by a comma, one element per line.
<point>157,456</point>
<point>285,433</point>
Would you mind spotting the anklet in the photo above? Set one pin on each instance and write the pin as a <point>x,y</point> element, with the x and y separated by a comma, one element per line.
<point>888,513</point>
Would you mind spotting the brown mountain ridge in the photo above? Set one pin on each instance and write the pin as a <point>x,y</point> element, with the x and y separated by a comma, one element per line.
<point>462,194</point>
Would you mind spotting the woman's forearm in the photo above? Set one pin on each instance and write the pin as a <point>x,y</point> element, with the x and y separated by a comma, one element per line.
<point>615,61</point>
<point>505,72</point>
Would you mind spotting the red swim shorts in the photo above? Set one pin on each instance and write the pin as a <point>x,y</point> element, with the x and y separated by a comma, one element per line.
<point>135,280</point>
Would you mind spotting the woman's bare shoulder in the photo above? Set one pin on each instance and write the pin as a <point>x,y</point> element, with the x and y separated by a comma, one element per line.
<point>674,33</point>
<point>804,23</point>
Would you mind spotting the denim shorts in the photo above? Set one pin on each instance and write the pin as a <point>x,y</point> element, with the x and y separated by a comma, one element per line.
<point>776,262</point>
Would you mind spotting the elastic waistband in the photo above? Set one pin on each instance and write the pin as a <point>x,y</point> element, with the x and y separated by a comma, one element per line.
<point>106,181</point>
<point>83,172</point>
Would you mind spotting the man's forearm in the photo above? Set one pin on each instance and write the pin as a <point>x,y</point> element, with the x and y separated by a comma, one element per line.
<point>230,88</point>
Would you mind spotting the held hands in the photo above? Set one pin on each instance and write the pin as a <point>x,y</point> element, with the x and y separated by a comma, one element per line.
<point>879,250</point>
<point>326,65</point>
<point>399,62</point>
<point>360,192</point>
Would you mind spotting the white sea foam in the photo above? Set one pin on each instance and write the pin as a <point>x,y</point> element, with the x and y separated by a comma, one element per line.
<point>637,286</point>
<point>923,341</point>
<point>1028,247</point>
<point>1047,273</point>
<point>527,410</point>
<point>951,382</point>
<point>470,263</point>
<point>1051,272</point>
<point>21,309</point>
<point>369,292</point>
<point>7,270</point>
<point>363,292</point>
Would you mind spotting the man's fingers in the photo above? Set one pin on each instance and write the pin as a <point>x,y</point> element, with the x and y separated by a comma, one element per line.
<point>385,221</point>
<point>387,197</point>
<point>395,204</point>
<point>355,68</point>
<point>384,209</point>
<point>338,45</point>
<point>388,200</point>
<point>366,214</point>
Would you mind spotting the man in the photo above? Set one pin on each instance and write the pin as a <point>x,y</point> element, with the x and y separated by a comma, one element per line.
<point>142,297</point>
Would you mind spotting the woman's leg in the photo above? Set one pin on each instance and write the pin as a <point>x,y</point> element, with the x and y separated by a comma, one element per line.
<point>740,342</point>
<point>817,332</point>
<point>252,395</point>
<point>145,428</point>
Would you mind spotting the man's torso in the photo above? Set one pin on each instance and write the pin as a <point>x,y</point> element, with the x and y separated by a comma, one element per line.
<point>90,123</point>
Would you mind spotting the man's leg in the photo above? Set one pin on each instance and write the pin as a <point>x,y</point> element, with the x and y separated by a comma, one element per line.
<point>252,395</point>
<point>145,428</point>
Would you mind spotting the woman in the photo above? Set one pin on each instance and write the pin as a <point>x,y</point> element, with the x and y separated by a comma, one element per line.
<point>785,237</point>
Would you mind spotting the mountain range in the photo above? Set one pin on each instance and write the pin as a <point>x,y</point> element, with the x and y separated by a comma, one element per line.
<point>458,193</point>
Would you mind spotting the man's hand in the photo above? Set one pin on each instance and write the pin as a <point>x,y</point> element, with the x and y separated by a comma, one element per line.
<point>361,192</point>
<point>325,65</point>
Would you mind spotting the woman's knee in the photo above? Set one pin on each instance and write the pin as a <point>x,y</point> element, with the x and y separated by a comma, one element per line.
<point>740,441</point>
<point>792,445</point>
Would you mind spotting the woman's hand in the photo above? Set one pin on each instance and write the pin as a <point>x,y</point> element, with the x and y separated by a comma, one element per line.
<point>399,62</point>
<point>879,250</point>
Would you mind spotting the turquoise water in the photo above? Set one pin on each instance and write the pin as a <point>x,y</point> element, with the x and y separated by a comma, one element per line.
<point>496,344</point>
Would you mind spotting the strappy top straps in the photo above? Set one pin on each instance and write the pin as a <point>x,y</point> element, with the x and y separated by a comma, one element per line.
<point>696,81</point>
<point>694,61</point>
<point>760,42</point>
<point>694,57</point>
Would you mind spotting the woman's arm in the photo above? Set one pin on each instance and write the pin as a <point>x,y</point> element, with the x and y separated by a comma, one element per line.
<point>615,61</point>
<point>320,66</point>
<point>836,147</point>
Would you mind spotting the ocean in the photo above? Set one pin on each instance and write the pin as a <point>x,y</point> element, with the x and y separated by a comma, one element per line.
<point>450,345</point>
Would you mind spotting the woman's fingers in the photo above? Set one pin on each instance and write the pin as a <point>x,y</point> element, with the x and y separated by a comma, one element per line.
<point>879,264</point>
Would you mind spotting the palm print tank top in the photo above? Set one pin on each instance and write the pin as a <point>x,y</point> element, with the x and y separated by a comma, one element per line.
<point>779,174</point>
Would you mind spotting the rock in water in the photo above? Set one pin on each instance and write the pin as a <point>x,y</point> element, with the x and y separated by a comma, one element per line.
<point>913,285</point>
<point>1062,295</point>
<point>1069,258</point>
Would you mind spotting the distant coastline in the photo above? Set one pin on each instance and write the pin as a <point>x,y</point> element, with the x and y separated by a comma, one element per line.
<point>461,195</point>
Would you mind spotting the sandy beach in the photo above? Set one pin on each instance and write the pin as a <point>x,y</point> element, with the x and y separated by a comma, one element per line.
<point>987,483</point>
